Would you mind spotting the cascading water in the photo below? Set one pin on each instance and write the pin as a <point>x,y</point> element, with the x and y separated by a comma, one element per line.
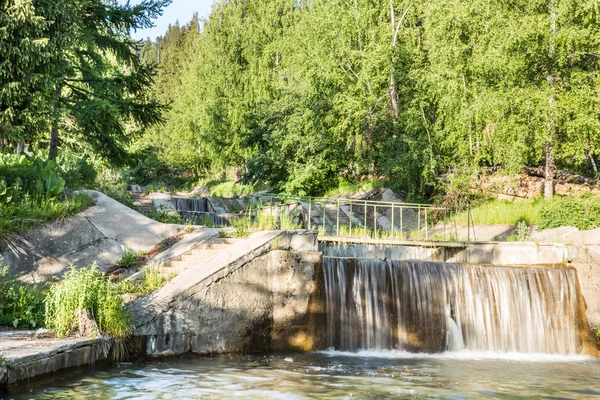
<point>434,307</point>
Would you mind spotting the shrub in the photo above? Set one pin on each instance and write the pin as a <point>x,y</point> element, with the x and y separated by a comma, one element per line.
<point>86,290</point>
<point>580,212</point>
<point>112,184</point>
<point>21,305</point>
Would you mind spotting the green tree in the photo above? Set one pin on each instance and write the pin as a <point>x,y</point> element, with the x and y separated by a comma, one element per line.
<point>24,102</point>
<point>100,85</point>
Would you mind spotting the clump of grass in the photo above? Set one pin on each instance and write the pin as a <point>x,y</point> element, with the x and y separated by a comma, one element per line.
<point>21,305</point>
<point>129,259</point>
<point>86,290</point>
<point>242,226</point>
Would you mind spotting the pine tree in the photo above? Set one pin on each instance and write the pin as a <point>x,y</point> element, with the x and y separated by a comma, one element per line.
<point>99,83</point>
<point>24,102</point>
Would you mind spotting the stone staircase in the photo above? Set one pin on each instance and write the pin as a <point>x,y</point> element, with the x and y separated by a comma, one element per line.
<point>198,254</point>
<point>141,202</point>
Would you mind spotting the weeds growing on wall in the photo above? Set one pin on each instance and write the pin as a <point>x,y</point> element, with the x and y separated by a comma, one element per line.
<point>86,290</point>
<point>152,279</point>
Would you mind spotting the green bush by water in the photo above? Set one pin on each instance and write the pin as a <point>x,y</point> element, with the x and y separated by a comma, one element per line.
<point>21,304</point>
<point>86,289</point>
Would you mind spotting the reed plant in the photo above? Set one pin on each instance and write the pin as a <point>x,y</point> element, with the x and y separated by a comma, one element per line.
<point>86,290</point>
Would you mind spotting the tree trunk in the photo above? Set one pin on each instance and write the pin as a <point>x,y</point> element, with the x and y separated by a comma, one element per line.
<point>55,117</point>
<point>549,147</point>
<point>549,171</point>
<point>593,163</point>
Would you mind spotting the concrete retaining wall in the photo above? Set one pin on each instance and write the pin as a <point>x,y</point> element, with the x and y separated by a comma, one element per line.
<point>28,358</point>
<point>262,295</point>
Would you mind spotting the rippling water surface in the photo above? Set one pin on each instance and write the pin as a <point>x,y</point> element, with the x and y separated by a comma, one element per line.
<point>386,374</point>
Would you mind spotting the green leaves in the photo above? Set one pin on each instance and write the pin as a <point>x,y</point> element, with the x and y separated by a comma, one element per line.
<point>6,193</point>
<point>49,182</point>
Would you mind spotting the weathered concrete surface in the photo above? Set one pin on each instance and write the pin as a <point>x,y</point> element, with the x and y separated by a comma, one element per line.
<point>100,233</point>
<point>257,296</point>
<point>27,357</point>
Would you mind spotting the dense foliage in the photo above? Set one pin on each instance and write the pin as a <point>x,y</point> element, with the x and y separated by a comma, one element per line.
<point>70,75</point>
<point>300,94</point>
<point>21,304</point>
<point>32,189</point>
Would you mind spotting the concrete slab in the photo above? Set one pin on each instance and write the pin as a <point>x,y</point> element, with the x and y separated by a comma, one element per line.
<point>128,227</point>
<point>162,201</point>
<point>28,356</point>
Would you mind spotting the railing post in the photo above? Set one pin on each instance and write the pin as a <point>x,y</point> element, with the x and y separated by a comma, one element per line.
<point>365,225</point>
<point>309,223</point>
<point>351,215</point>
<point>324,205</point>
<point>375,221</point>
<point>338,218</point>
<point>426,227</point>
<point>419,221</point>
<point>392,219</point>
<point>469,224</point>
<point>401,224</point>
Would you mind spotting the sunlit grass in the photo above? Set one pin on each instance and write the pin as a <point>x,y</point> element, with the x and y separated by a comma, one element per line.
<point>503,212</point>
<point>16,217</point>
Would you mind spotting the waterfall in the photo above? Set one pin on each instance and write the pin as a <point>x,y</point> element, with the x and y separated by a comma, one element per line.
<point>434,307</point>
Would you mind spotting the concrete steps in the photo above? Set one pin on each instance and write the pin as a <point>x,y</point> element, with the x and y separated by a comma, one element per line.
<point>199,253</point>
<point>142,203</point>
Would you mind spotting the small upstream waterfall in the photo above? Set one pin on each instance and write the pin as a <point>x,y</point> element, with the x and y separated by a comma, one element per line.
<point>433,307</point>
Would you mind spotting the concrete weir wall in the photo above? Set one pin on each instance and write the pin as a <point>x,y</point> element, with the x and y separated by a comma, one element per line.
<point>585,259</point>
<point>262,295</point>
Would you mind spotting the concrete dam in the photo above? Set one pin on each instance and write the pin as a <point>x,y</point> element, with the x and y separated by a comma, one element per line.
<point>283,291</point>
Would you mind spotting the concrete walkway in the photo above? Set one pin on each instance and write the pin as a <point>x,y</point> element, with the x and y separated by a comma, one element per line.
<point>100,233</point>
<point>26,355</point>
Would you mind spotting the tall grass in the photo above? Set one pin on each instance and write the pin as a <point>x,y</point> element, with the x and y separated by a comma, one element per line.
<point>581,212</point>
<point>86,289</point>
<point>503,212</point>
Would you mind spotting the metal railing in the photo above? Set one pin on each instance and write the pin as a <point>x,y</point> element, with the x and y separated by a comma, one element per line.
<point>346,218</point>
<point>342,217</point>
